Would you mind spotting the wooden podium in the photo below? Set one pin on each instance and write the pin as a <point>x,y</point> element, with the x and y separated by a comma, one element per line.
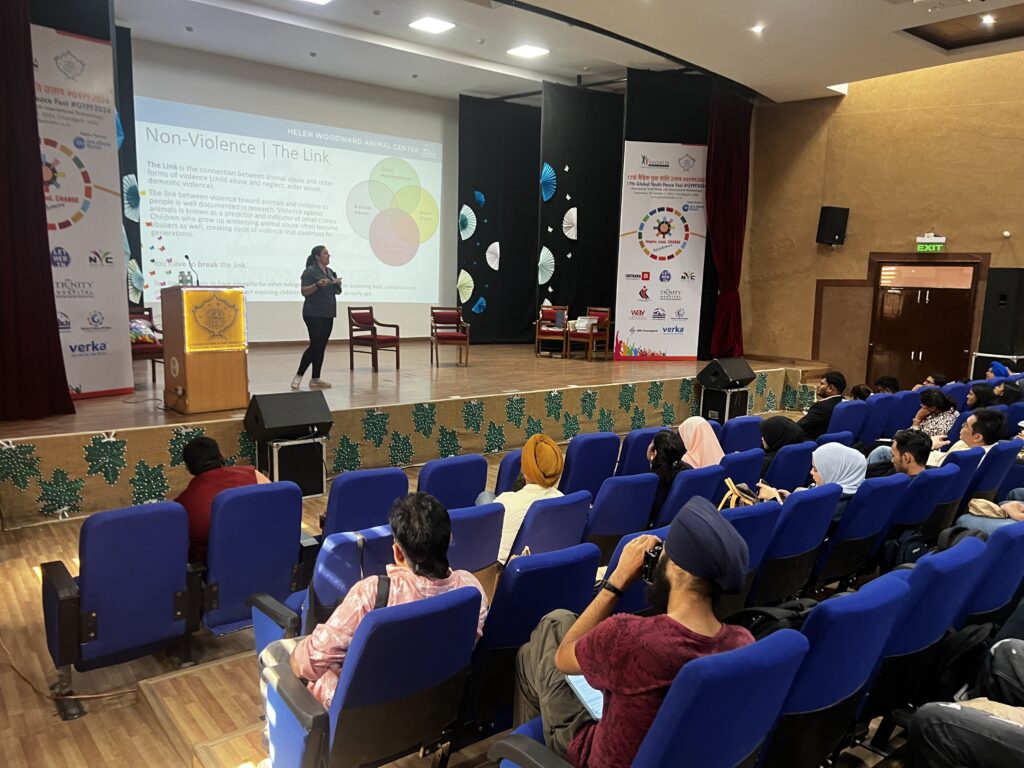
<point>205,351</point>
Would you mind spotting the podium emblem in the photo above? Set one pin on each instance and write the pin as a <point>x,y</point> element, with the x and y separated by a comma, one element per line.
<point>214,319</point>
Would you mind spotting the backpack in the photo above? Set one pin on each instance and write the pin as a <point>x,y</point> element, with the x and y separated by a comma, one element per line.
<point>908,548</point>
<point>959,656</point>
<point>762,621</point>
<point>953,535</point>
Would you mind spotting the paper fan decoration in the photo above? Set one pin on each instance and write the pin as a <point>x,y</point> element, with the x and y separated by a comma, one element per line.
<point>136,282</point>
<point>480,199</point>
<point>479,306</point>
<point>569,223</point>
<point>548,182</point>
<point>465,285</point>
<point>493,256</point>
<point>130,196</point>
<point>545,265</point>
<point>467,222</point>
<point>546,303</point>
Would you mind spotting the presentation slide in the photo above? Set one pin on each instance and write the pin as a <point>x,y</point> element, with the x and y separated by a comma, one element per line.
<point>246,197</point>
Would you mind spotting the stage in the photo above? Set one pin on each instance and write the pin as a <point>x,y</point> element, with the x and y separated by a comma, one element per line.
<point>123,450</point>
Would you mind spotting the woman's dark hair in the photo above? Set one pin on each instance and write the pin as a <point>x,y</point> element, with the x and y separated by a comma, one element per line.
<point>202,454</point>
<point>668,450</point>
<point>888,384</point>
<point>317,250</point>
<point>1011,393</point>
<point>940,379</point>
<point>937,399</point>
<point>423,529</point>
<point>861,392</point>
<point>984,396</point>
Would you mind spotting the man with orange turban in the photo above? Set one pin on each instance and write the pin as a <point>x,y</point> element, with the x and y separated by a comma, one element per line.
<point>541,469</point>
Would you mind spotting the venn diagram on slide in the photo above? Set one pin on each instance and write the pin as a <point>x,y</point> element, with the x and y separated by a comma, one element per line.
<point>392,211</point>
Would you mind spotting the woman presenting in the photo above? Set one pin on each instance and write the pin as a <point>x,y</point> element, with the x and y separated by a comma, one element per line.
<point>321,286</point>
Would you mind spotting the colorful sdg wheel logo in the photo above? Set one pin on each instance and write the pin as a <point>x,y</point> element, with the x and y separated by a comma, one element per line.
<point>663,233</point>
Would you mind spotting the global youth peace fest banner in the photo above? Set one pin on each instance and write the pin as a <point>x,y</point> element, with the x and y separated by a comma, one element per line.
<point>661,251</point>
<point>78,150</point>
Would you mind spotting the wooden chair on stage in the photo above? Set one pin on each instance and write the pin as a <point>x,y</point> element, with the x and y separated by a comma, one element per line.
<point>362,332</point>
<point>596,335</point>
<point>447,328</point>
<point>152,351</point>
<point>548,331</point>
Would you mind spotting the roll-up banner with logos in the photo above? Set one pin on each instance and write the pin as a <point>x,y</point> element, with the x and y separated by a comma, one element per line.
<point>78,149</point>
<point>661,251</point>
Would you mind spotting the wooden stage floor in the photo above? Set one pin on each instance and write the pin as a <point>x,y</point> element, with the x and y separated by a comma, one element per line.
<point>493,369</point>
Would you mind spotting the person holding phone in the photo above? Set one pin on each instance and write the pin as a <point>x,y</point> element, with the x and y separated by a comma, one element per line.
<point>320,287</point>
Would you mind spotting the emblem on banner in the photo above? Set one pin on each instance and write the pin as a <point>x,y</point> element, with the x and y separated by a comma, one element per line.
<point>686,162</point>
<point>663,233</point>
<point>69,65</point>
<point>643,294</point>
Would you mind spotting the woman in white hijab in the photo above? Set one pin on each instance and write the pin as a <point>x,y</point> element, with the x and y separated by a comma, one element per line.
<point>832,463</point>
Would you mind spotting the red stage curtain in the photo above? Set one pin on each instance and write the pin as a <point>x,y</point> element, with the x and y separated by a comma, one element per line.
<point>33,384</point>
<point>728,174</point>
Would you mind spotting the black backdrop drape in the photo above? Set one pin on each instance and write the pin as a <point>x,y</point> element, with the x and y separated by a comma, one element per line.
<point>499,151</point>
<point>581,141</point>
<point>33,384</point>
<point>126,155</point>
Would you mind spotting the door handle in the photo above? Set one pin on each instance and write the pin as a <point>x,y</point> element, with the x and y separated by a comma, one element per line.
<point>920,356</point>
<point>927,296</point>
<point>919,297</point>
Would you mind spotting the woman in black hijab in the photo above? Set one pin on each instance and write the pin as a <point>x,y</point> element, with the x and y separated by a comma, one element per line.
<point>777,432</point>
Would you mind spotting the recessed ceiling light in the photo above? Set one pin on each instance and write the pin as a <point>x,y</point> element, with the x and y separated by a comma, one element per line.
<point>318,2</point>
<point>432,25</point>
<point>757,29</point>
<point>190,28</point>
<point>843,88</point>
<point>988,19</point>
<point>528,51</point>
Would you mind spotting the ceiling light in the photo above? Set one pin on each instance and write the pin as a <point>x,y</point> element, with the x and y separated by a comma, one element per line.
<point>757,29</point>
<point>528,51</point>
<point>843,88</point>
<point>432,25</point>
<point>988,19</point>
<point>318,2</point>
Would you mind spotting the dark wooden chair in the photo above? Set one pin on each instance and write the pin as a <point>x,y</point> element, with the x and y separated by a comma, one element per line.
<point>447,328</point>
<point>362,332</point>
<point>548,331</point>
<point>594,337</point>
<point>154,352</point>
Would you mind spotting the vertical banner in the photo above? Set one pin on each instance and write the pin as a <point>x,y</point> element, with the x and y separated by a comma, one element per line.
<point>663,226</point>
<point>81,185</point>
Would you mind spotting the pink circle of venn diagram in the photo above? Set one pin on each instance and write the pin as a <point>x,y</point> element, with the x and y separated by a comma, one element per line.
<point>392,211</point>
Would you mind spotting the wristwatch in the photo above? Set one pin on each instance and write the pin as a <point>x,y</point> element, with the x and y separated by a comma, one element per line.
<point>605,584</point>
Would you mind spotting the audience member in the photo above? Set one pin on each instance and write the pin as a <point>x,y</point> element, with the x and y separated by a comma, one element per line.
<point>665,454</point>
<point>908,455</point>
<point>980,395</point>
<point>830,394</point>
<point>937,414</point>
<point>777,432</point>
<point>982,429</point>
<point>631,659</point>
<point>830,463</point>
<point>933,380</point>
<point>422,531</point>
<point>1007,393</point>
<point>987,516</point>
<point>210,476</point>
<point>997,371</point>
<point>889,384</point>
<point>700,443</point>
<point>861,392</point>
<point>542,467</point>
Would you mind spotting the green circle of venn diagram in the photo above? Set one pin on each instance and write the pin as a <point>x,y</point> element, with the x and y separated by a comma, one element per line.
<point>394,183</point>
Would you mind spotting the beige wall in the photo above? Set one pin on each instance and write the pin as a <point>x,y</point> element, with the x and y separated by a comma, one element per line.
<point>939,150</point>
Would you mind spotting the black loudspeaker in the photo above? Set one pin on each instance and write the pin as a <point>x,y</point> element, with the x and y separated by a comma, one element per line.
<point>832,225</point>
<point>730,373</point>
<point>1002,325</point>
<point>288,416</point>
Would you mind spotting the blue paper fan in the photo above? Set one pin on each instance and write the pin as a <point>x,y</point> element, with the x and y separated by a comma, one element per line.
<point>480,199</point>
<point>479,306</point>
<point>467,222</point>
<point>548,182</point>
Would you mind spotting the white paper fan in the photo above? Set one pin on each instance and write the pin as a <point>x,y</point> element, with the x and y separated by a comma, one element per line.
<point>493,256</point>
<point>569,223</point>
<point>546,303</point>
<point>467,222</point>
<point>545,265</point>
<point>465,285</point>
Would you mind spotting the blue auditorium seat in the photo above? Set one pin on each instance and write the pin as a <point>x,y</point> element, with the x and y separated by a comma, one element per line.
<point>743,467</point>
<point>848,416</point>
<point>843,438</point>
<point>455,481</point>
<point>589,460</point>
<point>476,536</point>
<point>791,467</point>
<point>1002,576</point>
<point>952,498</point>
<point>741,434</point>
<point>992,471</point>
<point>509,469</point>
<point>954,431</point>
<point>553,524</point>
<point>919,501</point>
<point>755,524</point>
<point>905,406</point>
<point>633,454</point>
<point>957,392</point>
<point>702,482</point>
<point>362,499</point>
<point>879,409</point>
<point>623,505</point>
<point>634,599</point>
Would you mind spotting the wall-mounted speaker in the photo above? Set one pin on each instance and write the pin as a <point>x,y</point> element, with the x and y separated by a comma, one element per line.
<point>1002,324</point>
<point>832,225</point>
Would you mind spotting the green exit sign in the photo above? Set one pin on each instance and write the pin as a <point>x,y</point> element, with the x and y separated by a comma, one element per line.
<point>931,247</point>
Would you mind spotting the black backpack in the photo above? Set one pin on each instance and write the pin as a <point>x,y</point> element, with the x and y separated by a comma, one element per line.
<point>762,621</point>
<point>950,537</point>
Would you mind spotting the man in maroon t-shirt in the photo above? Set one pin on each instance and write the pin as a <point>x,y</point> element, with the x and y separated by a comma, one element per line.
<point>204,460</point>
<point>632,660</point>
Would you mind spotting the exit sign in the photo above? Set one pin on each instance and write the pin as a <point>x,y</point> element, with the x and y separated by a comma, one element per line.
<point>931,247</point>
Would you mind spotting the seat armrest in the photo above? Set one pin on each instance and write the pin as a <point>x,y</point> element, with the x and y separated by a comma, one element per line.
<point>309,549</point>
<point>194,575</point>
<point>300,725</point>
<point>524,752</point>
<point>61,613</point>
<point>271,620</point>
<point>389,325</point>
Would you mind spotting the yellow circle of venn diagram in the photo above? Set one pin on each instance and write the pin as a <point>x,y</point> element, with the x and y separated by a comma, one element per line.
<point>394,183</point>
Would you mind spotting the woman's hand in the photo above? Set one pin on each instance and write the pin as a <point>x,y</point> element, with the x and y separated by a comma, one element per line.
<point>322,282</point>
<point>922,414</point>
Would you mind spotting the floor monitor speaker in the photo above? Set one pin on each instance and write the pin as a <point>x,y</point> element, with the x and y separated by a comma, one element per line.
<point>288,416</point>
<point>726,373</point>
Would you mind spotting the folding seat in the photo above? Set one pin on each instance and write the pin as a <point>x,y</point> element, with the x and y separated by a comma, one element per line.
<point>755,524</point>
<point>743,467</point>
<point>130,598</point>
<point>791,467</point>
<point>703,482</point>
<point>951,499</point>
<point>843,438</point>
<point>992,471</point>
<point>954,431</point>
<point>398,692</point>
<point>717,714</point>
<point>741,434</point>
<point>879,409</point>
<point>623,505</point>
<point>957,392</point>
<point>1014,480</point>
<point>999,587</point>
<point>455,481</point>
<point>509,469</point>
<point>905,406</point>
<point>919,501</point>
<point>553,524</point>
<point>716,427</point>
<point>362,499</point>
<point>589,460</point>
<point>476,536</point>
<point>633,454</point>
<point>1014,417</point>
<point>848,416</point>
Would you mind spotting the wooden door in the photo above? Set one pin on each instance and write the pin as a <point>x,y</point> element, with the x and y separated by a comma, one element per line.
<point>890,351</point>
<point>945,339</point>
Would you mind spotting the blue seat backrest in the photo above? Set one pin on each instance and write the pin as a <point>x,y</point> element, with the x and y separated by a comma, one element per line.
<point>848,416</point>
<point>361,499</point>
<point>871,509</point>
<point>531,587</point>
<point>702,482</point>
<point>338,565</point>
<point>552,524</point>
<point>254,545</point>
<point>791,466</point>
<point>1014,417</point>
<point>923,494</point>
<point>1002,571</point>
<point>455,481</point>
<point>716,427</point>
<point>476,535</point>
<point>905,406</point>
<point>633,454</point>
<point>957,392</point>
<point>954,431</point>
<point>742,467</point>
<point>853,627</point>
<point>992,470</point>
<point>755,524</point>
<point>736,695</point>
<point>843,438</point>
<point>635,598</point>
<point>879,409</point>
<point>741,434</point>
<point>804,521</point>
<point>968,462</point>
<point>589,460</point>
<point>132,562</point>
<point>939,587</point>
<point>509,469</point>
<point>623,505</point>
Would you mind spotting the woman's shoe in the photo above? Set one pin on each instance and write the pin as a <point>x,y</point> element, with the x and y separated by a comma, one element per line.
<point>296,382</point>
<point>319,384</point>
